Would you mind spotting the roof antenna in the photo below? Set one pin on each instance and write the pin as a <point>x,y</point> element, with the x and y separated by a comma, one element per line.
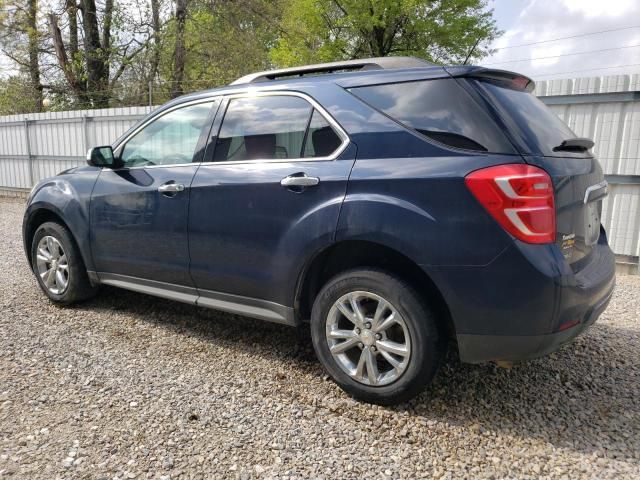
<point>471,51</point>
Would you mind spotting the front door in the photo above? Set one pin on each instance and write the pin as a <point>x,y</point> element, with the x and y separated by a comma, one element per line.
<point>269,196</point>
<point>139,212</point>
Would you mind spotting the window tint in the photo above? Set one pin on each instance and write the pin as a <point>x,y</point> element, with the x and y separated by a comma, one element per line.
<point>169,140</point>
<point>439,109</point>
<point>539,129</point>
<point>321,140</point>
<point>267,127</point>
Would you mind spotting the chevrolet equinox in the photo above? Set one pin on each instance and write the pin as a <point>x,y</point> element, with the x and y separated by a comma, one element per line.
<point>393,206</point>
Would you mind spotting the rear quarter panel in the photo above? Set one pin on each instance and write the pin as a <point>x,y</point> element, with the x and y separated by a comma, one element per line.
<point>422,208</point>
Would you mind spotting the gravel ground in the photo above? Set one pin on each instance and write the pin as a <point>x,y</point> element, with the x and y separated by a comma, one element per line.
<point>130,386</point>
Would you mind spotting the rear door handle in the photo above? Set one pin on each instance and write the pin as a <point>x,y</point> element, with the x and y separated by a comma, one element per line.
<point>171,188</point>
<point>299,180</point>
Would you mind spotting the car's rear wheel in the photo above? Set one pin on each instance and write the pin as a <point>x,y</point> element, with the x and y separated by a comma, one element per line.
<point>376,336</point>
<point>58,266</point>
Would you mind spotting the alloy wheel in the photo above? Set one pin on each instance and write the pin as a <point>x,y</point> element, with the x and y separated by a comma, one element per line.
<point>368,338</point>
<point>53,266</point>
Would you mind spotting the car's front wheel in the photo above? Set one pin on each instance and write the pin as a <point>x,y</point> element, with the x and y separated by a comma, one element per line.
<point>58,266</point>
<point>376,336</point>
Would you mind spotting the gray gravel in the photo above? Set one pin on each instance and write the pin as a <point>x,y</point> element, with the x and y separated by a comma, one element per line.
<point>130,386</point>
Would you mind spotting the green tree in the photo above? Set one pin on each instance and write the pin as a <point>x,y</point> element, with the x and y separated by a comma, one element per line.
<point>222,41</point>
<point>444,31</point>
<point>16,95</point>
<point>20,40</point>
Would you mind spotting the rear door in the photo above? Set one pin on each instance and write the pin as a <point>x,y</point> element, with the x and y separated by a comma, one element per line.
<point>577,176</point>
<point>268,196</point>
<point>139,212</point>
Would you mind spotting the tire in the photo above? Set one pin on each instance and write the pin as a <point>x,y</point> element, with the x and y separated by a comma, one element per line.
<point>422,354</point>
<point>77,287</point>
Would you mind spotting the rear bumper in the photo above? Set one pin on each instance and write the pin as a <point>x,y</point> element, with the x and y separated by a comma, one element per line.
<point>527,302</point>
<point>482,348</point>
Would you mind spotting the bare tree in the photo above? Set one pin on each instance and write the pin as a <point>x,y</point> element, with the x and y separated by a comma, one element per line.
<point>179,52</point>
<point>154,64</point>
<point>78,87</point>
<point>96,51</point>
<point>33,46</point>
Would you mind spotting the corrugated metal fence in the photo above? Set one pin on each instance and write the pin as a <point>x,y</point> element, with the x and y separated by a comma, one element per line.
<point>39,145</point>
<point>606,109</point>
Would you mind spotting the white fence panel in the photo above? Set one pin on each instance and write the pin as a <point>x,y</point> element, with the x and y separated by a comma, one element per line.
<point>16,173</point>
<point>621,212</point>
<point>607,110</point>
<point>40,145</point>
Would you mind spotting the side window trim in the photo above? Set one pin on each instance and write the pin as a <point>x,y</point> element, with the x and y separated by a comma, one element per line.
<point>216,101</point>
<point>315,106</point>
<point>202,144</point>
<point>303,147</point>
<point>215,131</point>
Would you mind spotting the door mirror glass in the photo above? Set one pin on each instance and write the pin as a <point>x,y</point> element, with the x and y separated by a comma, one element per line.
<point>101,157</point>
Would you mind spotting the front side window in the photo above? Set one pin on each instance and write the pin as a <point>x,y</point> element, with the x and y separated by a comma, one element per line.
<point>273,127</point>
<point>440,110</point>
<point>171,139</point>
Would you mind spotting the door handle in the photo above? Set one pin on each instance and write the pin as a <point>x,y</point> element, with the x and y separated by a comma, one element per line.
<point>299,180</point>
<point>171,188</point>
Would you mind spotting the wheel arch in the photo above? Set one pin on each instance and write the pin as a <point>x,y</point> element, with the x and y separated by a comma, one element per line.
<point>349,254</point>
<point>35,218</point>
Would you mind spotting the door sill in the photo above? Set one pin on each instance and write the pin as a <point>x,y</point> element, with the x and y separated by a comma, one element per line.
<point>226,302</point>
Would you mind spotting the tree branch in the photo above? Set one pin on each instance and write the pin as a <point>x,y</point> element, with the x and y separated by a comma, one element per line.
<point>125,63</point>
<point>61,54</point>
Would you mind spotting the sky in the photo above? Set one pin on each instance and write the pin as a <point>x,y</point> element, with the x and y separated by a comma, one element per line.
<point>529,21</point>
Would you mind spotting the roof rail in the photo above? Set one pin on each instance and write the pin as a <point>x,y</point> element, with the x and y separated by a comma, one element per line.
<point>378,63</point>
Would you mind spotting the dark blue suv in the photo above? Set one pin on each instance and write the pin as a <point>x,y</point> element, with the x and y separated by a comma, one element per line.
<point>396,206</point>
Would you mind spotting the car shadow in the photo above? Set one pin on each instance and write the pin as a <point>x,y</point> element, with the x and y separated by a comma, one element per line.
<point>570,399</point>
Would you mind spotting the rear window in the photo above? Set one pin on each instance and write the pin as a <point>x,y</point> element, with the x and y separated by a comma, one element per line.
<point>538,129</point>
<point>440,110</point>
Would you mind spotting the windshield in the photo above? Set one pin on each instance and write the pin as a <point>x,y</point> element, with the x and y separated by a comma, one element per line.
<point>536,128</point>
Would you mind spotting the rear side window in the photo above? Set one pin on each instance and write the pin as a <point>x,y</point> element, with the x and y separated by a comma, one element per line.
<point>538,129</point>
<point>322,140</point>
<point>440,110</point>
<point>273,127</point>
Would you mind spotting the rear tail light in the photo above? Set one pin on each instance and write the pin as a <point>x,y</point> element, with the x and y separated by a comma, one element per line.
<point>519,197</point>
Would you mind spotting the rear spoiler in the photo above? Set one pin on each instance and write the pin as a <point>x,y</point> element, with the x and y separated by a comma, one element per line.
<point>506,78</point>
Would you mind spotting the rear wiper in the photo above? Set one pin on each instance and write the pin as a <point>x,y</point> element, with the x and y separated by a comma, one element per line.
<point>574,145</point>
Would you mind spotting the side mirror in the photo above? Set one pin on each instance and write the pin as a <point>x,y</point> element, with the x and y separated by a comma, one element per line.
<point>102,157</point>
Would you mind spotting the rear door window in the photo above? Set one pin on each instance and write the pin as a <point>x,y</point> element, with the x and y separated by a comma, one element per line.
<point>263,128</point>
<point>441,110</point>
<point>274,127</point>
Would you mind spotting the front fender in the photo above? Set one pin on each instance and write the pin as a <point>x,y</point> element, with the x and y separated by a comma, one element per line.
<point>66,197</point>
